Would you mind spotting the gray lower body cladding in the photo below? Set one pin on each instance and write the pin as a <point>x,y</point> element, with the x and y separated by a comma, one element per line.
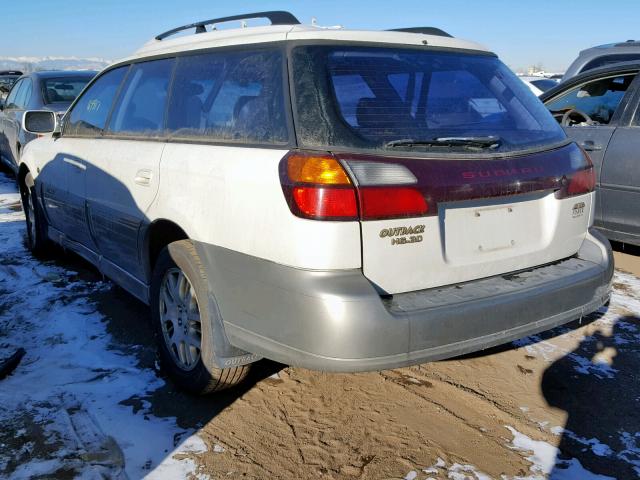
<point>337,321</point>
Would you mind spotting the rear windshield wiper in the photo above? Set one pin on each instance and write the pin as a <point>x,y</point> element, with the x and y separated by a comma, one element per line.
<point>476,143</point>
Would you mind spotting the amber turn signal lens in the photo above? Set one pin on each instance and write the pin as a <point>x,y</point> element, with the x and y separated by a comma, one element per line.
<point>316,169</point>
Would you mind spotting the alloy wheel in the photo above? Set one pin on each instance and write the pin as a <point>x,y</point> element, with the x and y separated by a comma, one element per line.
<point>180,319</point>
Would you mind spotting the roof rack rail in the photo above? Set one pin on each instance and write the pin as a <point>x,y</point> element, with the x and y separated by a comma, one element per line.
<point>277,17</point>
<point>424,30</point>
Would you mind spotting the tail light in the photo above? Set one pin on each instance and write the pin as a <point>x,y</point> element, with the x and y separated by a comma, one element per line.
<point>582,180</point>
<point>317,186</point>
<point>323,186</point>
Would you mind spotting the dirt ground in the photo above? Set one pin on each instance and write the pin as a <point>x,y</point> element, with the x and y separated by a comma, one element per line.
<point>561,405</point>
<point>436,420</point>
<point>627,258</point>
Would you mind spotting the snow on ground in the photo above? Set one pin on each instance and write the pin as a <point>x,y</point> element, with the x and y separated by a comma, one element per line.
<point>67,408</point>
<point>545,462</point>
<point>67,390</point>
<point>625,300</point>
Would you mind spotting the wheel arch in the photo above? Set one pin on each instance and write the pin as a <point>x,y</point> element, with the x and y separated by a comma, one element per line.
<point>24,177</point>
<point>157,235</point>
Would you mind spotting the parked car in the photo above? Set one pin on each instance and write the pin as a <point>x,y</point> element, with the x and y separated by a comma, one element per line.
<point>538,85</point>
<point>333,199</point>
<point>41,90</point>
<point>7,79</point>
<point>603,55</point>
<point>600,110</point>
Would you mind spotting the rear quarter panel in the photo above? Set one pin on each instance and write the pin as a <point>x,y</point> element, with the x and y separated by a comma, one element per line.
<point>231,197</point>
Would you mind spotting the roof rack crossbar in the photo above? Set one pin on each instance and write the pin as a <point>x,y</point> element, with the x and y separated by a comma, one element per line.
<point>277,17</point>
<point>424,30</point>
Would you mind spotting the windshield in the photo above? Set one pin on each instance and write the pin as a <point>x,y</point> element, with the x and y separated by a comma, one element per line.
<point>414,100</point>
<point>63,90</point>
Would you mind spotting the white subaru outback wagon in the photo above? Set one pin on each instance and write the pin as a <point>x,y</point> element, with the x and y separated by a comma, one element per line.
<point>327,198</point>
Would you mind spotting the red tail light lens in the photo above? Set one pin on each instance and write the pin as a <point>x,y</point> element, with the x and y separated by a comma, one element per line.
<point>583,181</point>
<point>318,202</point>
<point>388,202</point>
<point>317,187</point>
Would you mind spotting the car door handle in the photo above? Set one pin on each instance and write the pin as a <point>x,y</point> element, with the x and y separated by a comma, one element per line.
<point>143,177</point>
<point>591,146</point>
<point>75,163</point>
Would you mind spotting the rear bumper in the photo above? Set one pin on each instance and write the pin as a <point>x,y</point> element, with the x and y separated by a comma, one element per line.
<point>336,321</point>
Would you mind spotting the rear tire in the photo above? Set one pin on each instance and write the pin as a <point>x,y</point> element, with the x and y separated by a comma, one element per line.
<point>37,239</point>
<point>182,319</point>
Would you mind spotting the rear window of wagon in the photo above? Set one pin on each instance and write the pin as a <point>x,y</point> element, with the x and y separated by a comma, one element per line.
<point>366,97</point>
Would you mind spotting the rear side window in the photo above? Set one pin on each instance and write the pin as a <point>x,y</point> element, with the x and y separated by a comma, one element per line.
<point>599,98</point>
<point>141,104</point>
<point>229,97</point>
<point>89,114</point>
<point>62,90</point>
<point>24,95</point>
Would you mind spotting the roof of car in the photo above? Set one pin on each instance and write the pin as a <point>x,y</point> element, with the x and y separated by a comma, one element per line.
<point>594,73</point>
<point>617,45</point>
<point>62,73</point>
<point>274,33</point>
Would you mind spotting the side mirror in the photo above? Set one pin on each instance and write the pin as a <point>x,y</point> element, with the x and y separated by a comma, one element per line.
<point>40,122</point>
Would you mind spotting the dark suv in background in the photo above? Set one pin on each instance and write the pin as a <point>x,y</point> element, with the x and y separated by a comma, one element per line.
<point>603,55</point>
<point>7,79</point>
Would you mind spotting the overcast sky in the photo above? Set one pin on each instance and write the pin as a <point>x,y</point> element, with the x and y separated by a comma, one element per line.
<point>522,32</point>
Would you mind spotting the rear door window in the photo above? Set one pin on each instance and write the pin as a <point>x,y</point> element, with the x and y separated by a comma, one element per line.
<point>89,114</point>
<point>229,97</point>
<point>139,110</point>
<point>599,99</point>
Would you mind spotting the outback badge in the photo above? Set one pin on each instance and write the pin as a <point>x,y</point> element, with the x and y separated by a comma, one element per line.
<point>403,235</point>
<point>578,209</point>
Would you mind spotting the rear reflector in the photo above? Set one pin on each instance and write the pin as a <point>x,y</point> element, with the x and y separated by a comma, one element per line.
<point>391,202</point>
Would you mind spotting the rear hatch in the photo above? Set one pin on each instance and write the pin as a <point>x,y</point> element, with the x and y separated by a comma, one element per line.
<point>460,172</point>
<point>483,218</point>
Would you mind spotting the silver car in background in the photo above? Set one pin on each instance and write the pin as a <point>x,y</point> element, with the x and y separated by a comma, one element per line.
<point>53,91</point>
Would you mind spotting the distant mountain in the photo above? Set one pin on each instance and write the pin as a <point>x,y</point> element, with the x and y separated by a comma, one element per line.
<point>30,64</point>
